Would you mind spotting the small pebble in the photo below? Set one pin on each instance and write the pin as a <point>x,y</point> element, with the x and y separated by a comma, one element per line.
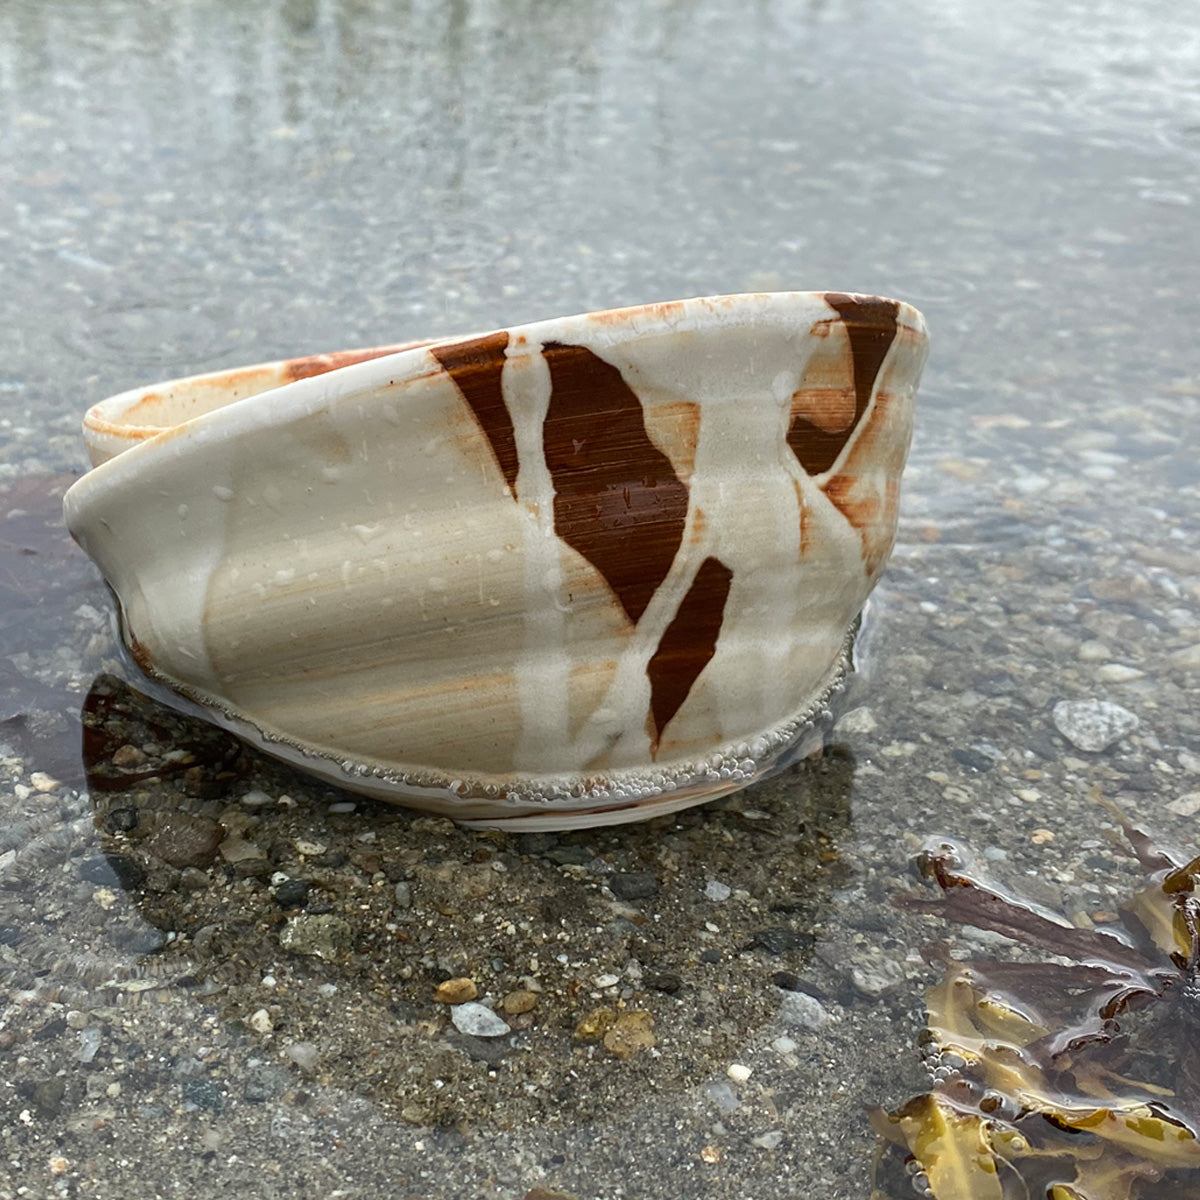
<point>1188,658</point>
<point>246,858</point>
<point>632,885</point>
<point>719,892</point>
<point>1118,673</point>
<point>738,1072</point>
<point>594,1024</point>
<point>723,1096</point>
<point>857,720</point>
<point>1185,806</point>
<point>291,893</point>
<point>43,782</point>
<point>520,1001</point>
<point>1093,725</point>
<point>128,756</point>
<point>478,1020</point>
<point>771,1140</point>
<point>257,799</point>
<point>606,981</point>
<point>309,849</point>
<point>317,935</point>
<point>783,1045</point>
<point>304,1054</point>
<point>403,894</point>
<point>802,1011</point>
<point>183,840</point>
<point>89,1044</point>
<point>632,1032</point>
<point>456,991</point>
<point>261,1022</point>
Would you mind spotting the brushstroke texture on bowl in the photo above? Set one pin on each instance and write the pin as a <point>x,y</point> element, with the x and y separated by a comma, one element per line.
<point>584,570</point>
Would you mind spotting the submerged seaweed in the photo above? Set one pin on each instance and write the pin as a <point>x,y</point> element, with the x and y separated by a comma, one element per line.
<point>1071,1079</point>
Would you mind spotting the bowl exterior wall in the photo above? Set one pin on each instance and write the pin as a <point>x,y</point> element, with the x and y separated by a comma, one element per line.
<point>570,563</point>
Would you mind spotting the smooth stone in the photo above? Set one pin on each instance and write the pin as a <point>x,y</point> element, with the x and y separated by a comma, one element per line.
<point>520,1001</point>
<point>456,991</point>
<point>1186,806</point>
<point>477,1020</point>
<point>184,840</point>
<point>771,1140</point>
<point>719,892</point>
<point>1093,725</point>
<point>799,1010</point>
<point>246,858</point>
<point>291,893</point>
<point>1188,658</point>
<point>304,1054</point>
<point>857,720</point>
<point>260,1021</point>
<point>778,939</point>
<point>632,885</point>
<point>1118,673</point>
<point>723,1096</point>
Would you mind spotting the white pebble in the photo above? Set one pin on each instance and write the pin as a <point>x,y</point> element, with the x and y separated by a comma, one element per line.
<point>261,1022</point>
<point>857,720</point>
<point>802,1011</point>
<point>304,1054</point>
<point>1186,806</point>
<point>1118,673</point>
<point>477,1020</point>
<point>89,1044</point>
<point>739,1072</point>
<point>717,891</point>
<point>1093,725</point>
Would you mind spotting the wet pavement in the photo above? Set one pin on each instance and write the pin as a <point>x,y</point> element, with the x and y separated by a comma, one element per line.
<point>218,974</point>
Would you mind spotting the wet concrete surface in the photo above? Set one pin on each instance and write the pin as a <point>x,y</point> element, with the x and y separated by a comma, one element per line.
<point>216,973</point>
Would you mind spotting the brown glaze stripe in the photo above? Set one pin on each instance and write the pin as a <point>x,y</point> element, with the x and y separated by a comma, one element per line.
<point>475,367</point>
<point>617,500</point>
<point>871,327</point>
<point>687,643</point>
<point>319,364</point>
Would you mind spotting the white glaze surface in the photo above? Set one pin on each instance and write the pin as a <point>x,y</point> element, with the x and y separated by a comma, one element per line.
<point>340,565</point>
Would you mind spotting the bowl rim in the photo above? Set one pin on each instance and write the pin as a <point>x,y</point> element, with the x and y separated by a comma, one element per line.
<point>321,379</point>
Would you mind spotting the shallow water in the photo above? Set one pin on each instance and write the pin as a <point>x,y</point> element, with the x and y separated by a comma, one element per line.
<point>187,186</point>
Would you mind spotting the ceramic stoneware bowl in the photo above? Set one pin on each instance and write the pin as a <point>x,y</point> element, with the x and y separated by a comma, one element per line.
<point>582,571</point>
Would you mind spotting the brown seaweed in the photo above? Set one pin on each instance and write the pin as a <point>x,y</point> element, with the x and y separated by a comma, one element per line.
<point>1071,1079</point>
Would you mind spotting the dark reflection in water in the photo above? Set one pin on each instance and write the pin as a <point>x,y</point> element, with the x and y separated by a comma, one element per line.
<point>44,579</point>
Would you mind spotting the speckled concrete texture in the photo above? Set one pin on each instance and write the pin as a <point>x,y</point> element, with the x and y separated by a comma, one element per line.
<point>219,976</point>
